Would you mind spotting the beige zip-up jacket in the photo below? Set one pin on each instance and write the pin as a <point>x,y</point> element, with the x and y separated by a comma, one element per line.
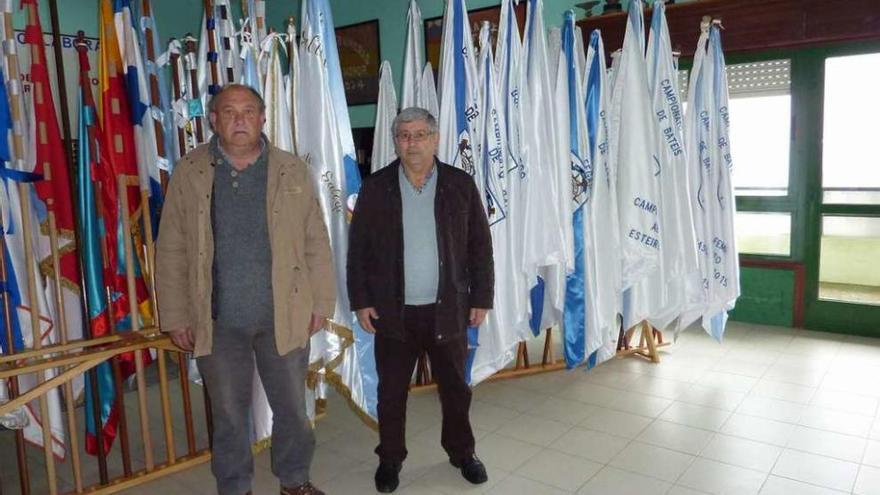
<point>303,281</point>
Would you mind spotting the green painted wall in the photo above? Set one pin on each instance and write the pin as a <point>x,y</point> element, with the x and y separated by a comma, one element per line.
<point>766,298</point>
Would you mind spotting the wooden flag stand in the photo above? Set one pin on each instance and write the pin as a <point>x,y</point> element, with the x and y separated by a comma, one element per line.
<point>650,340</point>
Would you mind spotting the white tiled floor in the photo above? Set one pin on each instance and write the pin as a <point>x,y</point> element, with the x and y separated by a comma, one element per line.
<point>771,411</point>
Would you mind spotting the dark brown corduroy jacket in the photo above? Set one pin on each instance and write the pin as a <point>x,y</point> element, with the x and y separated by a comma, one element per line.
<point>464,246</point>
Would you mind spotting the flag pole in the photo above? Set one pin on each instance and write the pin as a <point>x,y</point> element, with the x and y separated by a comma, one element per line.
<point>110,314</point>
<point>30,259</point>
<point>176,67</point>
<point>62,84</point>
<point>174,48</point>
<point>148,234</point>
<point>82,48</point>
<point>210,28</point>
<point>191,66</point>
<point>73,440</point>
<point>34,310</point>
<point>12,384</point>
<point>291,46</point>
<point>123,182</point>
<point>14,89</point>
<point>227,42</point>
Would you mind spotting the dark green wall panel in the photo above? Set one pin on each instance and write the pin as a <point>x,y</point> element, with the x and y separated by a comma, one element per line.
<point>767,297</point>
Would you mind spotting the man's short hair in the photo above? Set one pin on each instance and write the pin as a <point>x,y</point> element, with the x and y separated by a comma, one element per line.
<point>212,103</point>
<point>414,114</point>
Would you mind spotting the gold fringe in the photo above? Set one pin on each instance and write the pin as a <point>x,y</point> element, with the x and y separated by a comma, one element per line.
<point>345,392</point>
<point>261,445</point>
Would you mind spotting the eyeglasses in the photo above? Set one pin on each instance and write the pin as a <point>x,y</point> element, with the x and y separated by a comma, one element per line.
<point>417,136</point>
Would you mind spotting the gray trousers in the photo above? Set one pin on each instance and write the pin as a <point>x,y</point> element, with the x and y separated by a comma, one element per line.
<point>228,375</point>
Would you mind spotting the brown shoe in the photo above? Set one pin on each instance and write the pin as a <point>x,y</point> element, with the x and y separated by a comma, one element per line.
<point>306,488</point>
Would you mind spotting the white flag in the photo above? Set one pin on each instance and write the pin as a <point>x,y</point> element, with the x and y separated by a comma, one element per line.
<point>679,251</point>
<point>601,225</point>
<point>722,250</point>
<point>699,160</point>
<point>292,82</point>
<point>277,126</point>
<point>497,338</point>
<point>386,110</point>
<point>546,256</point>
<point>633,139</point>
<point>412,58</point>
<point>428,92</point>
<point>508,53</point>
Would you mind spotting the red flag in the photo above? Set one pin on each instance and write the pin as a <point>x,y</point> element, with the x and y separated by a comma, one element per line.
<point>51,159</point>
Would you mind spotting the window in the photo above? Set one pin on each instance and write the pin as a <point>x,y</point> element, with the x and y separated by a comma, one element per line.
<point>760,133</point>
<point>849,270</point>
<point>763,233</point>
<point>760,126</point>
<point>850,162</point>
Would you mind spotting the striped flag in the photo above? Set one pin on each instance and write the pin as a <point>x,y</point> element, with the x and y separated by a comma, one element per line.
<point>139,107</point>
<point>412,58</point>
<point>386,110</point>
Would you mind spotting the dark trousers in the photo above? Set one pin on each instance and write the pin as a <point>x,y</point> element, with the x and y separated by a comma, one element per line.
<point>395,362</point>
<point>228,373</point>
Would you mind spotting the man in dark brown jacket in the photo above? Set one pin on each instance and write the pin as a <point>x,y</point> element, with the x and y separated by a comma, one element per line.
<point>419,273</point>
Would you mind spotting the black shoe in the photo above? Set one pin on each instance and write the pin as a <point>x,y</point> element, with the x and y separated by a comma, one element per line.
<point>472,469</point>
<point>386,477</point>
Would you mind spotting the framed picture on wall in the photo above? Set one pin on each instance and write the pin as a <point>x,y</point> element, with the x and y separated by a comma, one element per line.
<point>434,30</point>
<point>359,58</point>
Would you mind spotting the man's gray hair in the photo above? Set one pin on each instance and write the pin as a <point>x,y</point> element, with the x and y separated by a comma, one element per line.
<point>212,103</point>
<point>414,114</point>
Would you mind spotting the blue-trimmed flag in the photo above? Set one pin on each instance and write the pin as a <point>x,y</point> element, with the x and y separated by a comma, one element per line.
<point>601,223</point>
<point>547,254</point>
<point>570,95</point>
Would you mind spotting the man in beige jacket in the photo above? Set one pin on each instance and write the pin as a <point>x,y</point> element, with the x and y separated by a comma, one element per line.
<point>244,278</point>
